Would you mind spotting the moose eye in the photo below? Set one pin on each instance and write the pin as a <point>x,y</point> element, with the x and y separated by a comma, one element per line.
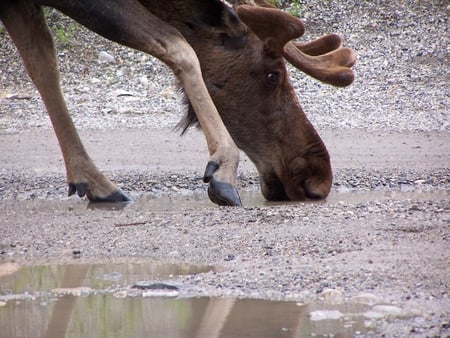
<point>273,78</point>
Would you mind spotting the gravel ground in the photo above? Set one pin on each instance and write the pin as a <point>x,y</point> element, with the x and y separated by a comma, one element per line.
<point>384,231</point>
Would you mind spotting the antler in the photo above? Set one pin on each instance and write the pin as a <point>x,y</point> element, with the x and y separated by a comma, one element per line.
<point>332,67</point>
<point>324,58</point>
<point>319,46</point>
<point>273,29</point>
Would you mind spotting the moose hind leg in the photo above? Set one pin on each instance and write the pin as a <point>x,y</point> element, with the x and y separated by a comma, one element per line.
<point>26,25</point>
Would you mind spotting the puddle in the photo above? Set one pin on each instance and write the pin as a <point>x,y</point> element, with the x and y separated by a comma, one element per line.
<point>255,199</point>
<point>145,202</point>
<point>113,301</point>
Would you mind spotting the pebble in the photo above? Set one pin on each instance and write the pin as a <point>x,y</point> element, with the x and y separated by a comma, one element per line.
<point>332,296</point>
<point>105,57</point>
<point>161,293</point>
<point>76,253</point>
<point>389,310</point>
<point>9,268</point>
<point>77,291</point>
<point>326,315</point>
<point>144,80</point>
<point>120,294</point>
<point>157,289</point>
<point>366,298</point>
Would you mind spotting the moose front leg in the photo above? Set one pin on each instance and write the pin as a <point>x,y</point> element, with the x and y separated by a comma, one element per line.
<point>221,169</point>
<point>27,27</point>
<point>131,24</point>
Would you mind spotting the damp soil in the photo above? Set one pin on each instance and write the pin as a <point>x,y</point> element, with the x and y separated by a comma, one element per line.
<point>381,238</point>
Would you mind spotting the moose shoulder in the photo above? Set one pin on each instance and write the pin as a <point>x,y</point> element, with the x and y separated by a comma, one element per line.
<point>230,61</point>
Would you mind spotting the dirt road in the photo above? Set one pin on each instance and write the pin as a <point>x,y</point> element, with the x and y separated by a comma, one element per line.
<point>383,231</point>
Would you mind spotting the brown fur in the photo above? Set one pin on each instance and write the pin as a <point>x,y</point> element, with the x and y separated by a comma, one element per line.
<point>230,63</point>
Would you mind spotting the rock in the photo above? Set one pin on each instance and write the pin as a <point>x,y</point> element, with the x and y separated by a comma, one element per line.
<point>383,311</point>
<point>373,315</point>
<point>157,289</point>
<point>325,315</point>
<point>229,257</point>
<point>332,296</point>
<point>389,310</point>
<point>76,253</point>
<point>143,80</point>
<point>366,298</point>
<point>104,57</point>
<point>8,268</point>
<point>78,291</point>
<point>120,294</point>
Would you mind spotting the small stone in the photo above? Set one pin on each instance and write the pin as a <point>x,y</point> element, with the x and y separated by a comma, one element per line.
<point>366,298</point>
<point>373,315</point>
<point>332,296</point>
<point>120,294</point>
<point>78,291</point>
<point>325,315</point>
<point>389,310</point>
<point>229,257</point>
<point>157,289</point>
<point>143,80</point>
<point>104,57</point>
<point>76,253</point>
<point>8,268</point>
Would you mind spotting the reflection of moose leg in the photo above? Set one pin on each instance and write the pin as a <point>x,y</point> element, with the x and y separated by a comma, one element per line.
<point>26,25</point>
<point>215,317</point>
<point>63,309</point>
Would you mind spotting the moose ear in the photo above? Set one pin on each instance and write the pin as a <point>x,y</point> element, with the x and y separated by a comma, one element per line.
<point>274,27</point>
<point>217,18</point>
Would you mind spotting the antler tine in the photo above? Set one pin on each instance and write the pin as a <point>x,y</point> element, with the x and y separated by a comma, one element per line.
<point>272,28</point>
<point>319,46</point>
<point>332,67</point>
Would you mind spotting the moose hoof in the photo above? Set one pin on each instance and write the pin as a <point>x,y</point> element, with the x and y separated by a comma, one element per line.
<point>223,193</point>
<point>82,189</point>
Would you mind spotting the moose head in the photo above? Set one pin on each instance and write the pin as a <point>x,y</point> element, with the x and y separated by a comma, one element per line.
<point>249,83</point>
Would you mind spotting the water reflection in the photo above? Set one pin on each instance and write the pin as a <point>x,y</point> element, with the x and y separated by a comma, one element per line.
<point>147,202</point>
<point>99,301</point>
<point>94,276</point>
<point>255,199</point>
<point>107,316</point>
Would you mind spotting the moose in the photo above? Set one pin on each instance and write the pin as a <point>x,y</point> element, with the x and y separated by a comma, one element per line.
<point>229,57</point>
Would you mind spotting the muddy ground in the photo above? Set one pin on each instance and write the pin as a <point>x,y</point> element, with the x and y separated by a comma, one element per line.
<point>383,233</point>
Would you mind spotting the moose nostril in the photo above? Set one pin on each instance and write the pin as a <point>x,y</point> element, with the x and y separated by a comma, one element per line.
<point>313,194</point>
